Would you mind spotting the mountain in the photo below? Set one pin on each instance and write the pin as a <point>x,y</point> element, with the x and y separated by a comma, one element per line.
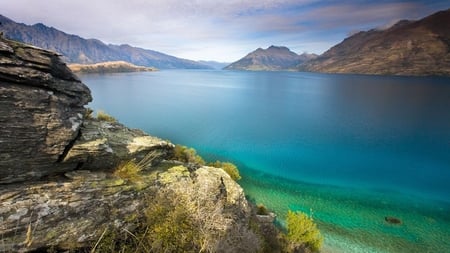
<point>88,51</point>
<point>108,67</point>
<point>272,58</point>
<point>407,48</point>
<point>215,64</point>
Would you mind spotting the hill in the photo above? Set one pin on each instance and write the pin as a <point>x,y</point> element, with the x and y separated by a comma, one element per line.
<point>88,51</point>
<point>108,67</point>
<point>273,58</point>
<point>407,48</point>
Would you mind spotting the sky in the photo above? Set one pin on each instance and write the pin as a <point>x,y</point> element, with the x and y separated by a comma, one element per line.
<point>223,30</point>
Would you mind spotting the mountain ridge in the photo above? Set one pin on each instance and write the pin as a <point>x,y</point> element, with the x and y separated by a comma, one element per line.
<point>76,49</point>
<point>274,58</point>
<point>420,47</point>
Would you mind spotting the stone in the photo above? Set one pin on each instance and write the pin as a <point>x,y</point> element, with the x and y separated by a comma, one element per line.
<point>103,145</point>
<point>392,220</point>
<point>41,111</point>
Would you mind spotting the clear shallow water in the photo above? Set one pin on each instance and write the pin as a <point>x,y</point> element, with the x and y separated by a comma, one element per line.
<point>353,148</point>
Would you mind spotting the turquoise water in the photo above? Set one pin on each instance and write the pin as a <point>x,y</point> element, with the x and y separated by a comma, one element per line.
<point>352,148</point>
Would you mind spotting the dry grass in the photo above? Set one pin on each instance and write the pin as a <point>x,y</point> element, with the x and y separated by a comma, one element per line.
<point>130,169</point>
<point>101,115</point>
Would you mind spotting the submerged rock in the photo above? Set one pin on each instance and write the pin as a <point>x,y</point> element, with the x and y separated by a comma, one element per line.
<point>392,220</point>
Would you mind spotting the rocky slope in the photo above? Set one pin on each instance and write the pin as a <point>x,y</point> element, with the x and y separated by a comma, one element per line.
<point>407,48</point>
<point>87,51</point>
<point>66,183</point>
<point>108,67</point>
<point>273,58</point>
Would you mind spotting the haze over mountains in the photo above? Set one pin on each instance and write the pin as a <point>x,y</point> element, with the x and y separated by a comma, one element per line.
<point>273,58</point>
<point>87,51</point>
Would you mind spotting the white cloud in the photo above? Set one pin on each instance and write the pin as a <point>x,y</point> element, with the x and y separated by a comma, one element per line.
<point>199,29</point>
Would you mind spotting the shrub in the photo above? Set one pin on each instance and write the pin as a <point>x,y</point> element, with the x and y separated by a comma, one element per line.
<point>130,169</point>
<point>302,232</point>
<point>261,210</point>
<point>228,167</point>
<point>170,226</point>
<point>187,155</point>
<point>88,113</point>
<point>101,115</point>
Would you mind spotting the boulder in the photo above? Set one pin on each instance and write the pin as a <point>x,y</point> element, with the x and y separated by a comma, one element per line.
<point>103,145</point>
<point>41,112</point>
<point>392,220</point>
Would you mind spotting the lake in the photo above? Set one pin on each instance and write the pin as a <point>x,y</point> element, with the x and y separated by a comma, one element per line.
<point>350,149</point>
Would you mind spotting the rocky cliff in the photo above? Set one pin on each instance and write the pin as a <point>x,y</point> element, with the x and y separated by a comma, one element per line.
<point>408,48</point>
<point>272,59</point>
<point>69,182</point>
<point>41,112</point>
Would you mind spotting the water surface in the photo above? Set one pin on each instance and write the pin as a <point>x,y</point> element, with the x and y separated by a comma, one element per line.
<point>352,148</point>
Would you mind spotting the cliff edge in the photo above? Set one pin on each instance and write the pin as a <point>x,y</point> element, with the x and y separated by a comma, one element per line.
<point>70,182</point>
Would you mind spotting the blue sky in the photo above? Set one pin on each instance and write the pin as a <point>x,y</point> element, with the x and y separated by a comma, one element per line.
<point>217,30</point>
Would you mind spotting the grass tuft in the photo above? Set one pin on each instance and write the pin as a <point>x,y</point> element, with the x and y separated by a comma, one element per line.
<point>103,116</point>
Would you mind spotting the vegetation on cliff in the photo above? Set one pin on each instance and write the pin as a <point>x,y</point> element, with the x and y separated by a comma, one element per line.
<point>74,183</point>
<point>302,232</point>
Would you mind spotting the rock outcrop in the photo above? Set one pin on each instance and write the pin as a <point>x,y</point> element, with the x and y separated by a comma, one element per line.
<point>65,184</point>
<point>408,48</point>
<point>41,112</point>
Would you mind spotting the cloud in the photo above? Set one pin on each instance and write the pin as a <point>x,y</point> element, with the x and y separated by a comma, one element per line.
<point>225,30</point>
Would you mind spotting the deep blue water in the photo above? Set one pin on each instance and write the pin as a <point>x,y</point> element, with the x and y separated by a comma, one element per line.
<point>303,140</point>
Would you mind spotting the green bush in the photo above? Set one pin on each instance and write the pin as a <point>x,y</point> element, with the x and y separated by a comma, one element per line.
<point>130,169</point>
<point>101,115</point>
<point>187,155</point>
<point>302,232</point>
<point>261,210</point>
<point>170,226</point>
<point>88,113</point>
<point>228,167</point>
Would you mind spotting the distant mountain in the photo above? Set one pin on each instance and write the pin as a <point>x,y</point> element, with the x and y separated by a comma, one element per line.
<point>272,58</point>
<point>108,67</point>
<point>215,64</point>
<point>407,48</point>
<point>87,51</point>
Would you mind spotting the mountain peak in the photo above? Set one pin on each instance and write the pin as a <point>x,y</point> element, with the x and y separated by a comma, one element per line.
<point>87,51</point>
<point>406,48</point>
<point>272,58</point>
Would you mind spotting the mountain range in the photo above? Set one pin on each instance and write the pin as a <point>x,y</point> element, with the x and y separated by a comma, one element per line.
<point>407,48</point>
<point>88,51</point>
<point>272,59</point>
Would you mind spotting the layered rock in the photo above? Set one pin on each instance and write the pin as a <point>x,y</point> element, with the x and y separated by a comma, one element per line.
<point>73,211</point>
<point>41,112</point>
<point>61,189</point>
